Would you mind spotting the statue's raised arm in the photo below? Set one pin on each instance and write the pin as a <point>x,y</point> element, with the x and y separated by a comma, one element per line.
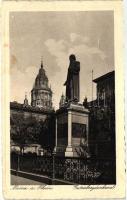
<point>72,82</point>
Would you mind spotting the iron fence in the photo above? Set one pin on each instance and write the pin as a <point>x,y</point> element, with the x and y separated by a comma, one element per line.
<point>75,170</point>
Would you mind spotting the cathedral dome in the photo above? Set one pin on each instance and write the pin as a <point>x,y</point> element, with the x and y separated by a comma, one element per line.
<point>41,81</point>
<point>41,94</point>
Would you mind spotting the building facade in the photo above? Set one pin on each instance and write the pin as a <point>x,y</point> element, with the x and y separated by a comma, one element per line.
<point>41,94</point>
<point>102,117</point>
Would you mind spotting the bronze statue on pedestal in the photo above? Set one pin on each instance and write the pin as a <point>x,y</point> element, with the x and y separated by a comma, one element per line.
<point>72,82</point>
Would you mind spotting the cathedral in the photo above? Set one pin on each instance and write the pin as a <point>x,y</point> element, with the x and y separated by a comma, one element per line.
<point>41,94</point>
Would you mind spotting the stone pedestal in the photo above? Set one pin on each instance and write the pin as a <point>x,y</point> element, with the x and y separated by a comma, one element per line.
<point>72,122</point>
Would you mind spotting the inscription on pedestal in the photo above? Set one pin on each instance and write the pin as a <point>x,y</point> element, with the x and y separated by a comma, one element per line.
<point>78,130</point>
<point>78,133</point>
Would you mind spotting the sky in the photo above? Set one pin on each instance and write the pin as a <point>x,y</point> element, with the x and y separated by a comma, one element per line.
<point>53,36</point>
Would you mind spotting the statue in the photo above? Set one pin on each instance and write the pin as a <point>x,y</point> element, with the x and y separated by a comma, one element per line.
<point>85,103</point>
<point>72,82</point>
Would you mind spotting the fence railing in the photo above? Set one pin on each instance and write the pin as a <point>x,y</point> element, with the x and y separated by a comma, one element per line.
<point>76,170</point>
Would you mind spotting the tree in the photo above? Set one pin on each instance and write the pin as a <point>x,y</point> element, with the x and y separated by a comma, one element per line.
<point>25,131</point>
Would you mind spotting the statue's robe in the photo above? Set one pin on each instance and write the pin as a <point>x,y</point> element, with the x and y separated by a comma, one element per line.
<point>72,83</point>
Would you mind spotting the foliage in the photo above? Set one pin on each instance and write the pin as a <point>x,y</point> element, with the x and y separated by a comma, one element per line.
<point>25,130</point>
<point>29,130</point>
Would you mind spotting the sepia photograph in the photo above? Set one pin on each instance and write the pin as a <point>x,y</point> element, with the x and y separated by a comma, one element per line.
<point>64,97</point>
<point>62,109</point>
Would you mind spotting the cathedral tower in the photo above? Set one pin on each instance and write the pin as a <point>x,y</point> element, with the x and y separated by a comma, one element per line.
<point>41,94</point>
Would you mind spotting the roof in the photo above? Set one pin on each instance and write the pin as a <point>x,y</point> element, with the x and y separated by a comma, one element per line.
<point>105,76</point>
<point>41,81</point>
<point>19,106</point>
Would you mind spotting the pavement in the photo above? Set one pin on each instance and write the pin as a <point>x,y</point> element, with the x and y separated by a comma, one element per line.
<point>17,180</point>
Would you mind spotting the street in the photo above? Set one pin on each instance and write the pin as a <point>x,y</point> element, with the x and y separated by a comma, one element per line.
<point>17,180</point>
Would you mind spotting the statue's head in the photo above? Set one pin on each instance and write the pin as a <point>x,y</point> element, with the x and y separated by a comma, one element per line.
<point>72,57</point>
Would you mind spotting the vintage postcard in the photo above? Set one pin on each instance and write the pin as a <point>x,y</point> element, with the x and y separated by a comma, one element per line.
<point>63,100</point>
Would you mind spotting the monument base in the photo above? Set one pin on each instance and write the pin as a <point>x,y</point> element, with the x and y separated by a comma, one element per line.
<point>72,129</point>
<point>69,152</point>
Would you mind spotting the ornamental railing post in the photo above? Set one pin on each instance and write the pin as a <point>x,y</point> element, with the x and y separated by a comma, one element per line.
<point>79,162</point>
<point>53,154</point>
<point>18,165</point>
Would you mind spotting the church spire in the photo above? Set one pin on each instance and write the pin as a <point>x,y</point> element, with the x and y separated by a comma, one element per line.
<point>62,100</point>
<point>42,62</point>
<point>25,95</point>
<point>26,100</point>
